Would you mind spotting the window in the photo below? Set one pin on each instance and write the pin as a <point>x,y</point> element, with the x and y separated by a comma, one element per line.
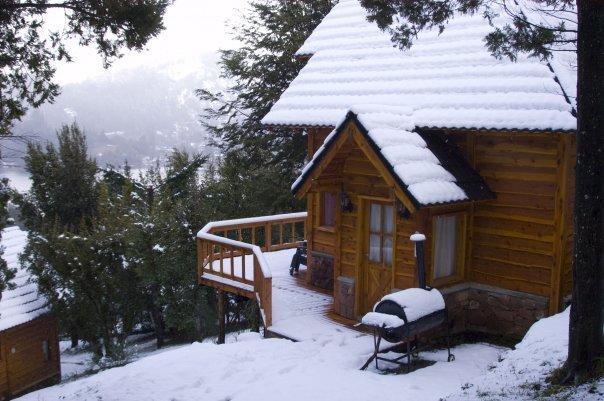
<point>381,231</point>
<point>328,209</point>
<point>46,350</point>
<point>448,249</point>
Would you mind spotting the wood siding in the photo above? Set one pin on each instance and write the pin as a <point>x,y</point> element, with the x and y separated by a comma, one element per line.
<point>22,363</point>
<point>352,171</point>
<point>520,240</point>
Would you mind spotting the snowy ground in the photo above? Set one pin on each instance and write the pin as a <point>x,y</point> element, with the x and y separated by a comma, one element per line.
<point>522,372</point>
<point>80,361</point>
<point>254,369</point>
<point>250,368</point>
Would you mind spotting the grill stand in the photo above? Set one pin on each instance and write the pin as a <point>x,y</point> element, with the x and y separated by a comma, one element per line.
<point>412,349</point>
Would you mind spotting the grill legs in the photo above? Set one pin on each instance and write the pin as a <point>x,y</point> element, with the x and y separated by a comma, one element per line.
<point>412,349</point>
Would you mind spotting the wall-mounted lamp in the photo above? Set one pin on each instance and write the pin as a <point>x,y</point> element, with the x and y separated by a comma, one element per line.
<point>345,202</point>
<point>402,211</point>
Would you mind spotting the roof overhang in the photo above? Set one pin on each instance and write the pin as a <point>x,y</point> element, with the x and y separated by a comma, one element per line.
<point>351,127</point>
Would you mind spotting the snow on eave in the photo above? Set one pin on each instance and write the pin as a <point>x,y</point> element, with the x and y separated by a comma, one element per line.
<point>23,303</point>
<point>352,117</point>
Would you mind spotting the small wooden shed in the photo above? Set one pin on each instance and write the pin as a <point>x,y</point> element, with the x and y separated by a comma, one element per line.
<point>29,341</point>
<point>444,139</point>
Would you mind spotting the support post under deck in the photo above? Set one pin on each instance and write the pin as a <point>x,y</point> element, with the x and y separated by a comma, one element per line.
<point>221,317</point>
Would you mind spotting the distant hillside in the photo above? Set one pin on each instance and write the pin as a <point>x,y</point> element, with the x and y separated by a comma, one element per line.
<point>135,115</point>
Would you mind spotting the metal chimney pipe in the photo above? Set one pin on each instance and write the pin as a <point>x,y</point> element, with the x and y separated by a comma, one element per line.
<point>419,239</point>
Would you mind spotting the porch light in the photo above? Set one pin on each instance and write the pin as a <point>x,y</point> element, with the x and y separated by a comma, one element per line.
<point>345,202</point>
<point>402,211</point>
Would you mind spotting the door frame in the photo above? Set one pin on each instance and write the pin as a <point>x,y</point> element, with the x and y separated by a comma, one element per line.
<point>364,202</point>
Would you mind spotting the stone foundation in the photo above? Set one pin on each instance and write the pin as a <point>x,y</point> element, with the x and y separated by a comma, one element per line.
<point>344,297</point>
<point>321,271</point>
<point>480,308</point>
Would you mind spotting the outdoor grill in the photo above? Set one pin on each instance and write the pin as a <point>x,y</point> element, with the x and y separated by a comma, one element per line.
<point>403,317</point>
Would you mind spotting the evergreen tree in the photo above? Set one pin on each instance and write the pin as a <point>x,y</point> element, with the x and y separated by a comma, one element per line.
<point>6,274</point>
<point>58,212</point>
<point>260,70</point>
<point>540,28</point>
<point>163,220</point>
<point>28,50</point>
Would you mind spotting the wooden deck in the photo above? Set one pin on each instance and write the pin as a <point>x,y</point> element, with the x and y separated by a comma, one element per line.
<point>300,312</point>
<point>259,270</point>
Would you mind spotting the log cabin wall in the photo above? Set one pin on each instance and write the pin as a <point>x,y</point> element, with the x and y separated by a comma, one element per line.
<point>352,172</point>
<point>25,365</point>
<point>518,247</point>
<point>522,241</point>
<point>316,137</point>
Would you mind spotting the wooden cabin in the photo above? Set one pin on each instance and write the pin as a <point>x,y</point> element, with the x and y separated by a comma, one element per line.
<point>29,340</point>
<point>443,139</point>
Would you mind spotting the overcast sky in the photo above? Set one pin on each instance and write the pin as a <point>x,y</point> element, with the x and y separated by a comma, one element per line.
<point>194,28</point>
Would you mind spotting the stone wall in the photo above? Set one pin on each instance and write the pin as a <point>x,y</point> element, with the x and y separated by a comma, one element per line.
<point>480,308</point>
<point>344,297</point>
<point>321,270</point>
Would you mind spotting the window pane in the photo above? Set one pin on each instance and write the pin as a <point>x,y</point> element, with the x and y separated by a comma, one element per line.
<point>329,210</point>
<point>376,218</point>
<point>374,248</point>
<point>388,250</point>
<point>445,245</point>
<point>46,350</point>
<point>388,219</point>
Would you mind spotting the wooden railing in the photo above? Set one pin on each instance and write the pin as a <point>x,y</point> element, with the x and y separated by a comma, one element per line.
<point>230,253</point>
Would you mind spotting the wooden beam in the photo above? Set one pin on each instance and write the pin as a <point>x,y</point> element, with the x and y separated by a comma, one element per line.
<point>360,140</point>
<point>325,161</point>
<point>560,223</point>
<point>221,317</point>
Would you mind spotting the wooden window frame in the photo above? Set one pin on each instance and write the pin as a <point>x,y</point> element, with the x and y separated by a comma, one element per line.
<point>46,354</point>
<point>382,233</point>
<point>321,214</point>
<point>460,265</point>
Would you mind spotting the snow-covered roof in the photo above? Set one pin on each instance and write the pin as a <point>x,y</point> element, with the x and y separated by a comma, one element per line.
<point>448,80</point>
<point>422,174</point>
<point>23,303</point>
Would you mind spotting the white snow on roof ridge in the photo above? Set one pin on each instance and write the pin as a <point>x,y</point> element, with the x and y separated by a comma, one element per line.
<point>451,80</point>
<point>392,130</point>
<point>23,303</point>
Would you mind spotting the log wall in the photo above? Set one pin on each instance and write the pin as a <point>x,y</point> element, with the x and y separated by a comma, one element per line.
<point>22,363</point>
<point>521,241</point>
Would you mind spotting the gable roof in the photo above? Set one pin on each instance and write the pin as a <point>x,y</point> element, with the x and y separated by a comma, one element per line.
<point>23,303</point>
<point>427,169</point>
<point>448,80</point>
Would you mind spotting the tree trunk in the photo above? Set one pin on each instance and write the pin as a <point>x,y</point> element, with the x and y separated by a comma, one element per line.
<point>97,347</point>
<point>585,332</point>
<point>221,317</point>
<point>74,339</point>
<point>159,325</point>
<point>255,318</point>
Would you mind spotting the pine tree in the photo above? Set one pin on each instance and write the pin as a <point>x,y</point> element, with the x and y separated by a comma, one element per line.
<point>58,211</point>
<point>554,31</point>
<point>260,70</point>
<point>6,273</point>
<point>29,49</point>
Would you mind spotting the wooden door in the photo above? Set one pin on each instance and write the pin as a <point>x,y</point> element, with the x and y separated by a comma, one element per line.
<point>378,253</point>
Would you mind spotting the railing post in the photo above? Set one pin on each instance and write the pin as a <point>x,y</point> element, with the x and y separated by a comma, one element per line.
<point>200,258</point>
<point>268,236</point>
<point>268,301</point>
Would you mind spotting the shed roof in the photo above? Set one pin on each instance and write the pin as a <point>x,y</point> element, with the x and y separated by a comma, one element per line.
<point>23,303</point>
<point>428,170</point>
<point>448,80</point>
